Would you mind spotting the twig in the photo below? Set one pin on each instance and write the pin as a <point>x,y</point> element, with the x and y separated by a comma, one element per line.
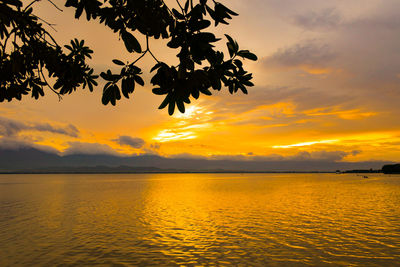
<point>13,31</point>
<point>154,57</point>
<point>51,37</point>
<point>148,49</point>
<point>145,52</point>
<point>34,1</point>
<point>51,2</point>
<point>179,4</point>
<point>48,24</point>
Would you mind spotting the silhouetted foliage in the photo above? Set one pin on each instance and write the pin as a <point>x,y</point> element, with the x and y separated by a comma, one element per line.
<point>391,168</point>
<point>201,67</point>
<point>29,53</point>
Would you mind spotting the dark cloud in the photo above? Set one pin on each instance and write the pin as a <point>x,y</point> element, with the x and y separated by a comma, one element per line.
<point>326,156</point>
<point>155,146</point>
<point>333,156</point>
<point>152,149</point>
<point>133,142</point>
<point>186,156</point>
<point>13,143</point>
<point>90,149</point>
<point>308,53</point>
<point>10,127</point>
<point>361,61</point>
<point>320,156</point>
<point>325,19</point>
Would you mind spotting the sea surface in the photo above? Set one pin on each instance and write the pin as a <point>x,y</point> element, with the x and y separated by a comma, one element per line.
<point>200,219</point>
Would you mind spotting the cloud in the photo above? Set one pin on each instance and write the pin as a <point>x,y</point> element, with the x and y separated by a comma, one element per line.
<point>12,143</point>
<point>133,142</point>
<point>278,105</point>
<point>320,156</point>
<point>151,149</point>
<point>325,19</point>
<point>309,55</point>
<point>90,149</point>
<point>186,156</point>
<point>10,127</point>
<point>302,156</point>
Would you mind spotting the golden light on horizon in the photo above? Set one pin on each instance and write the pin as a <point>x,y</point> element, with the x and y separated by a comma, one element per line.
<point>306,144</point>
<point>317,95</point>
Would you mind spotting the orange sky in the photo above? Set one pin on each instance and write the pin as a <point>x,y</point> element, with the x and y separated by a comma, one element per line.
<point>327,83</point>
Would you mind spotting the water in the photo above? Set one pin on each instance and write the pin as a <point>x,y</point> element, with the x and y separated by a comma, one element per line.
<point>200,219</point>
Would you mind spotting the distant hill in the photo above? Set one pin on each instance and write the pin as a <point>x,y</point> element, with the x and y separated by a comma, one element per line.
<point>31,159</point>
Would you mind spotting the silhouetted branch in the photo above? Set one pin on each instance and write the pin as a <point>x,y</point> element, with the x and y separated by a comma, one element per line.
<point>51,88</point>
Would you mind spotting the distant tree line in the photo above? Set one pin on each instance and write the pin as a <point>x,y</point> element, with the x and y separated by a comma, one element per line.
<point>391,169</point>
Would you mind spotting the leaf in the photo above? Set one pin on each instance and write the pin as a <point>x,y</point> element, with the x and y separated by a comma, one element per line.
<point>171,107</point>
<point>230,40</point>
<point>247,54</point>
<point>127,87</point>
<point>187,6</point>
<point>158,91</point>
<point>195,94</point>
<point>131,43</point>
<point>205,91</point>
<point>158,65</point>
<point>118,62</point>
<point>139,80</point>
<point>68,47</point>
<point>79,11</point>
<point>232,45</point>
<point>16,3</point>
<point>165,102</point>
<point>177,14</point>
<point>200,25</point>
<point>243,88</point>
<point>238,63</point>
<point>180,106</point>
<point>71,3</point>
<point>36,91</point>
<point>111,94</point>
<point>231,49</point>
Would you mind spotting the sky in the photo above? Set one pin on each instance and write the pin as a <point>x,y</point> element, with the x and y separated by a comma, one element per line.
<point>327,87</point>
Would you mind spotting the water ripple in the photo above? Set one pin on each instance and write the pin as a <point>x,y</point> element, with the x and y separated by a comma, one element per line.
<point>200,219</point>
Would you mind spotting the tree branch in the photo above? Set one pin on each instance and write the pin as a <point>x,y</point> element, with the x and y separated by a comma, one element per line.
<point>48,85</point>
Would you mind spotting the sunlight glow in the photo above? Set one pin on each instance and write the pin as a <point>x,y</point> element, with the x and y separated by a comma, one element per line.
<point>307,144</point>
<point>190,112</point>
<point>169,135</point>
